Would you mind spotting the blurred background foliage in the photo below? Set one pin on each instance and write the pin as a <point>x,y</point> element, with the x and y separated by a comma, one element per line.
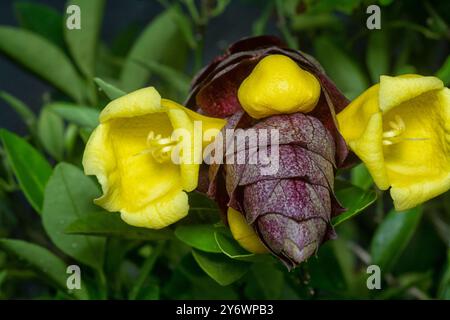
<point>54,82</point>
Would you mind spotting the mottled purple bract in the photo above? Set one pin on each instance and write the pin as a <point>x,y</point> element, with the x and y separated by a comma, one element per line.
<point>290,209</point>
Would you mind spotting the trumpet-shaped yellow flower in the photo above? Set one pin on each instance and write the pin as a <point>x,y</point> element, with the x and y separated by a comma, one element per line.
<point>400,128</point>
<point>243,233</point>
<point>131,153</point>
<point>277,85</point>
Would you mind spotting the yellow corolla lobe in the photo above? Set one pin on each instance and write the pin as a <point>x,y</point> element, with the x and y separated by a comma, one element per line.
<point>277,85</point>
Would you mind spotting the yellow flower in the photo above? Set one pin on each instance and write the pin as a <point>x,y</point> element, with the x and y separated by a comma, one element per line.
<point>277,85</point>
<point>243,233</point>
<point>131,153</point>
<point>400,128</point>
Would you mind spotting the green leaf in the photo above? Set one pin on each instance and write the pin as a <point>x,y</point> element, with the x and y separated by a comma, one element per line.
<point>392,236</point>
<point>202,210</point>
<point>82,43</point>
<point>42,20</point>
<point>43,58</point>
<point>20,108</point>
<point>444,72</point>
<point>111,91</point>
<point>68,197</point>
<point>198,236</point>
<point>50,130</point>
<point>186,28</point>
<point>354,199</point>
<point>82,116</point>
<point>220,268</point>
<point>29,166</point>
<point>232,249</point>
<point>361,177</point>
<point>341,68</point>
<point>70,139</point>
<point>377,54</point>
<point>109,224</point>
<point>178,80</point>
<point>161,41</point>
<point>44,262</point>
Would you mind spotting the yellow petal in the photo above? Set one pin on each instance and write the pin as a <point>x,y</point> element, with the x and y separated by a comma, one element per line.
<point>243,233</point>
<point>396,90</point>
<point>208,123</point>
<point>361,125</point>
<point>134,104</point>
<point>369,149</point>
<point>136,180</point>
<point>418,165</point>
<point>158,214</point>
<point>277,85</point>
<point>133,176</point>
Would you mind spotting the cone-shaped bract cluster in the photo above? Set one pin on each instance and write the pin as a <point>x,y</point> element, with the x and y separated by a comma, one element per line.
<point>290,208</point>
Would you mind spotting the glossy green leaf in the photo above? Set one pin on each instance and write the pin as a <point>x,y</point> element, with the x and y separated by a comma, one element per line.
<point>48,265</point>
<point>68,197</point>
<point>41,19</point>
<point>27,48</point>
<point>392,236</point>
<point>109,224</point>
<point>111,91</point>
<point>202,210</point>
<point>82,116</point>
<point>70,139</point>
<point>82,43</point>
<point>29,166</point>
<point>186,28</point>
<point>198,236</point>
<point>353,198</point>
<point>361,177</point>
<point>232,249</point>
<point>50,130</point>
<point>377,54</point>
<point>161,41</point>
<point>341,68</point>
<point>219,267</point>
<point>20,108</point>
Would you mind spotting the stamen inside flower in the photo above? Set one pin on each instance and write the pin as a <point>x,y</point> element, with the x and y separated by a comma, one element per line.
<point>160,148</point>
<point>392,136</point>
